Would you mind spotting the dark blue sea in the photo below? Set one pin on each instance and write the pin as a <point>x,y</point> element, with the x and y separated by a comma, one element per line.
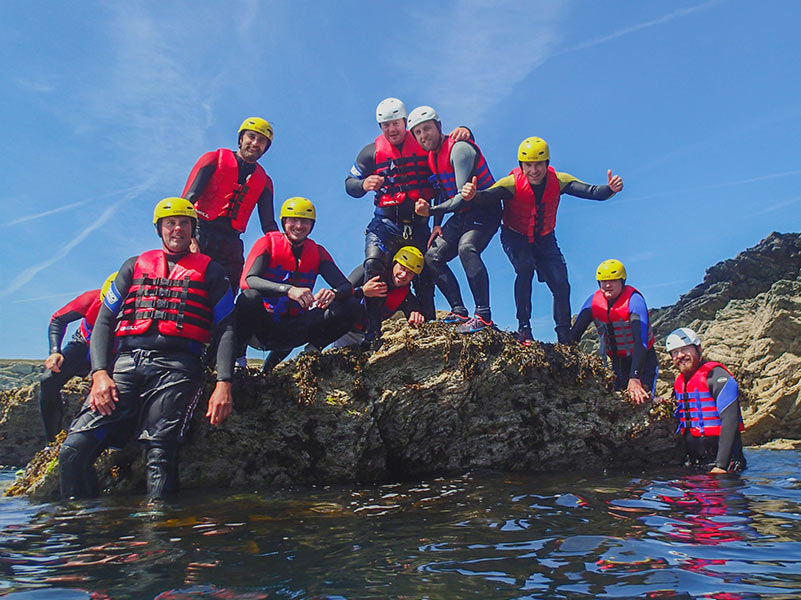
<point>660,534</point>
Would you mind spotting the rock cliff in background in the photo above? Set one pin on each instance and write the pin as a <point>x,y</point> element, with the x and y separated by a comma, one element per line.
<point>429,402</point>
<point>747,311</point>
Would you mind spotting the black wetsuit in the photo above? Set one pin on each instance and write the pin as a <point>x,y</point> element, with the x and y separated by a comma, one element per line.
<point>158,379</point>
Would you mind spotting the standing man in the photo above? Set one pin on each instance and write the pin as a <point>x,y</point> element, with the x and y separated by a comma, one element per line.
<point>708,406</point>
<point>277,309</point>
<point>395,168</point>
<point>530,196</point>
<point>225,186</point>
<point>392,287</point>
<point>73,360</point>
<point>469,230</point>
<point>621,319</point>
<point>169,301</point>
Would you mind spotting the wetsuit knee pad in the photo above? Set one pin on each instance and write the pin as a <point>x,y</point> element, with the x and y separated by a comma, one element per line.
<point>374,262</point>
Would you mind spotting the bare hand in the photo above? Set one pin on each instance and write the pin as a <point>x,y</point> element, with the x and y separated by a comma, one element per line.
<point>302,296</point>
<point>717,470</point>
<point>194,247</point>
<point>374,288</point>
<point>220,403</point>
<point>460,134</point>
<point>469,190</point>
<point>416,319</point>
<point>104,395</point>
<point>615,182</point>
<point>324,297</point>
<point>373,183</point>
<point>636,391</point>
<point>54,361</point>
<point>422,208</point>
<point>435,231</point>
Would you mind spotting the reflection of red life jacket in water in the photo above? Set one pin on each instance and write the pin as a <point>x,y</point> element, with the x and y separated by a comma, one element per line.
<point>405,169</point>
<point>177,301</point>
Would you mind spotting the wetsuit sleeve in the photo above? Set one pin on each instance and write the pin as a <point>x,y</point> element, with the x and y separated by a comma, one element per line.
<point>333,276</point>
<point>200,176</point>
<point>361,169</point>
<point>102,343</point>
<point>724,390</point>
<point>72,311</point>
<point>638,313</point>
<point>409,305</point>
<point>222,299</point>
<point>463,158</point>
<point>583,320</point>
<point>266,208</point>
<point>356,279</point>
<point>260,263</point>
<point>575,187</point>
<point>502,190</point>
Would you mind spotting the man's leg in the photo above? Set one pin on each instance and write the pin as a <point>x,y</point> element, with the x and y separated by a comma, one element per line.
<point>442,251</point>
<point>552,269</point>
<point>472,243</point>
<point>51,408</point>
<point>423,284</point>
<point>378,242</point>
<point>520,254</point>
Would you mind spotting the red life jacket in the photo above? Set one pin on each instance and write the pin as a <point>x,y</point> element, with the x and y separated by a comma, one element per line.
<point>621,342</point>
<point>177,301</point>
<point>88,321</point>
<point>406,171</point>
<point>523,215</point>
<point>395,297</point>
<point>439,161</point>
<point>223,196</point>
<point>285,268</point>
<point>696,406</point>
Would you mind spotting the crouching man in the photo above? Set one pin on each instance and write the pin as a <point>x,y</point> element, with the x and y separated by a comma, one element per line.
<point>708,407</point>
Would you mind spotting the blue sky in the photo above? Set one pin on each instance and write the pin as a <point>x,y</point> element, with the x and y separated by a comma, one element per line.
<point>697,105</point>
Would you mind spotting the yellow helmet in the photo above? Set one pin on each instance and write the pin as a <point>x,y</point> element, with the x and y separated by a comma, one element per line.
<point>107,284</point>
<point>301,208</point>
<point>610,269</point>
<point>174,207</point>
<point>533,149</point>
<point>258,125</point>
<point>411,258</point>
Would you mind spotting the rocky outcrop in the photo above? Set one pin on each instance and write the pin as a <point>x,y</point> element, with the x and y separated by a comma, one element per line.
<point>428,402</point>
<point>19,373</point>
<point>747,311</point>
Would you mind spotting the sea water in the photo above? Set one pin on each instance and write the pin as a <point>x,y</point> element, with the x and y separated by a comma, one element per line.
<point>656,534</point>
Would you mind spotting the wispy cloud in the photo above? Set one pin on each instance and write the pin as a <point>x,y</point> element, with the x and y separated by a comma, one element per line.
<point>45,213</point>
<point>112,210</point>
<point>778,206</point>
<point>36,86</point>
<point>640,26</point>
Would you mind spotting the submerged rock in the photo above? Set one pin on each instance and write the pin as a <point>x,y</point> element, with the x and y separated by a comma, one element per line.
<point>429,402</point>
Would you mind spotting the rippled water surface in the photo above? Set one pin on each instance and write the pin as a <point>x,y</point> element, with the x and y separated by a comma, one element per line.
<point>481,535</point>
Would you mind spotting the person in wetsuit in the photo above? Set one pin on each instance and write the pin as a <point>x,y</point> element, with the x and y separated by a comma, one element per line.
<point>71,361</point>
<point>165,305</point>
<point>530,196</point>
<point>225,186</point>
<point>708,406</point>
<point>621,319</point>
<point>393,287</point>
<point>277,309</point>
<point>395,168</point>
<point>469,230</point>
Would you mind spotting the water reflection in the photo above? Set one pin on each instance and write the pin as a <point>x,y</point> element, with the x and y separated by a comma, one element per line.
<point>478,535</point>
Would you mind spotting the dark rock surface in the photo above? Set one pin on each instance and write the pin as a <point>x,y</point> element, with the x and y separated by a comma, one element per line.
<point>429,402</point>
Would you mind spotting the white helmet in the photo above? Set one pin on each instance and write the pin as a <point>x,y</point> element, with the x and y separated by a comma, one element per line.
<point>421,114</point>
<point>390,109</point>
<point>683,336</point>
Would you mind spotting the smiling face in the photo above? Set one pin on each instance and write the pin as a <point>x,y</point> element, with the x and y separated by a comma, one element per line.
<point>401,276</point>
<point>252,145</point>
<point>427,135</point>
<point>297,229</point>
<point>394,131</point>
<point>686,359</point>
<point>176,234</point>
<point>534,171</point>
